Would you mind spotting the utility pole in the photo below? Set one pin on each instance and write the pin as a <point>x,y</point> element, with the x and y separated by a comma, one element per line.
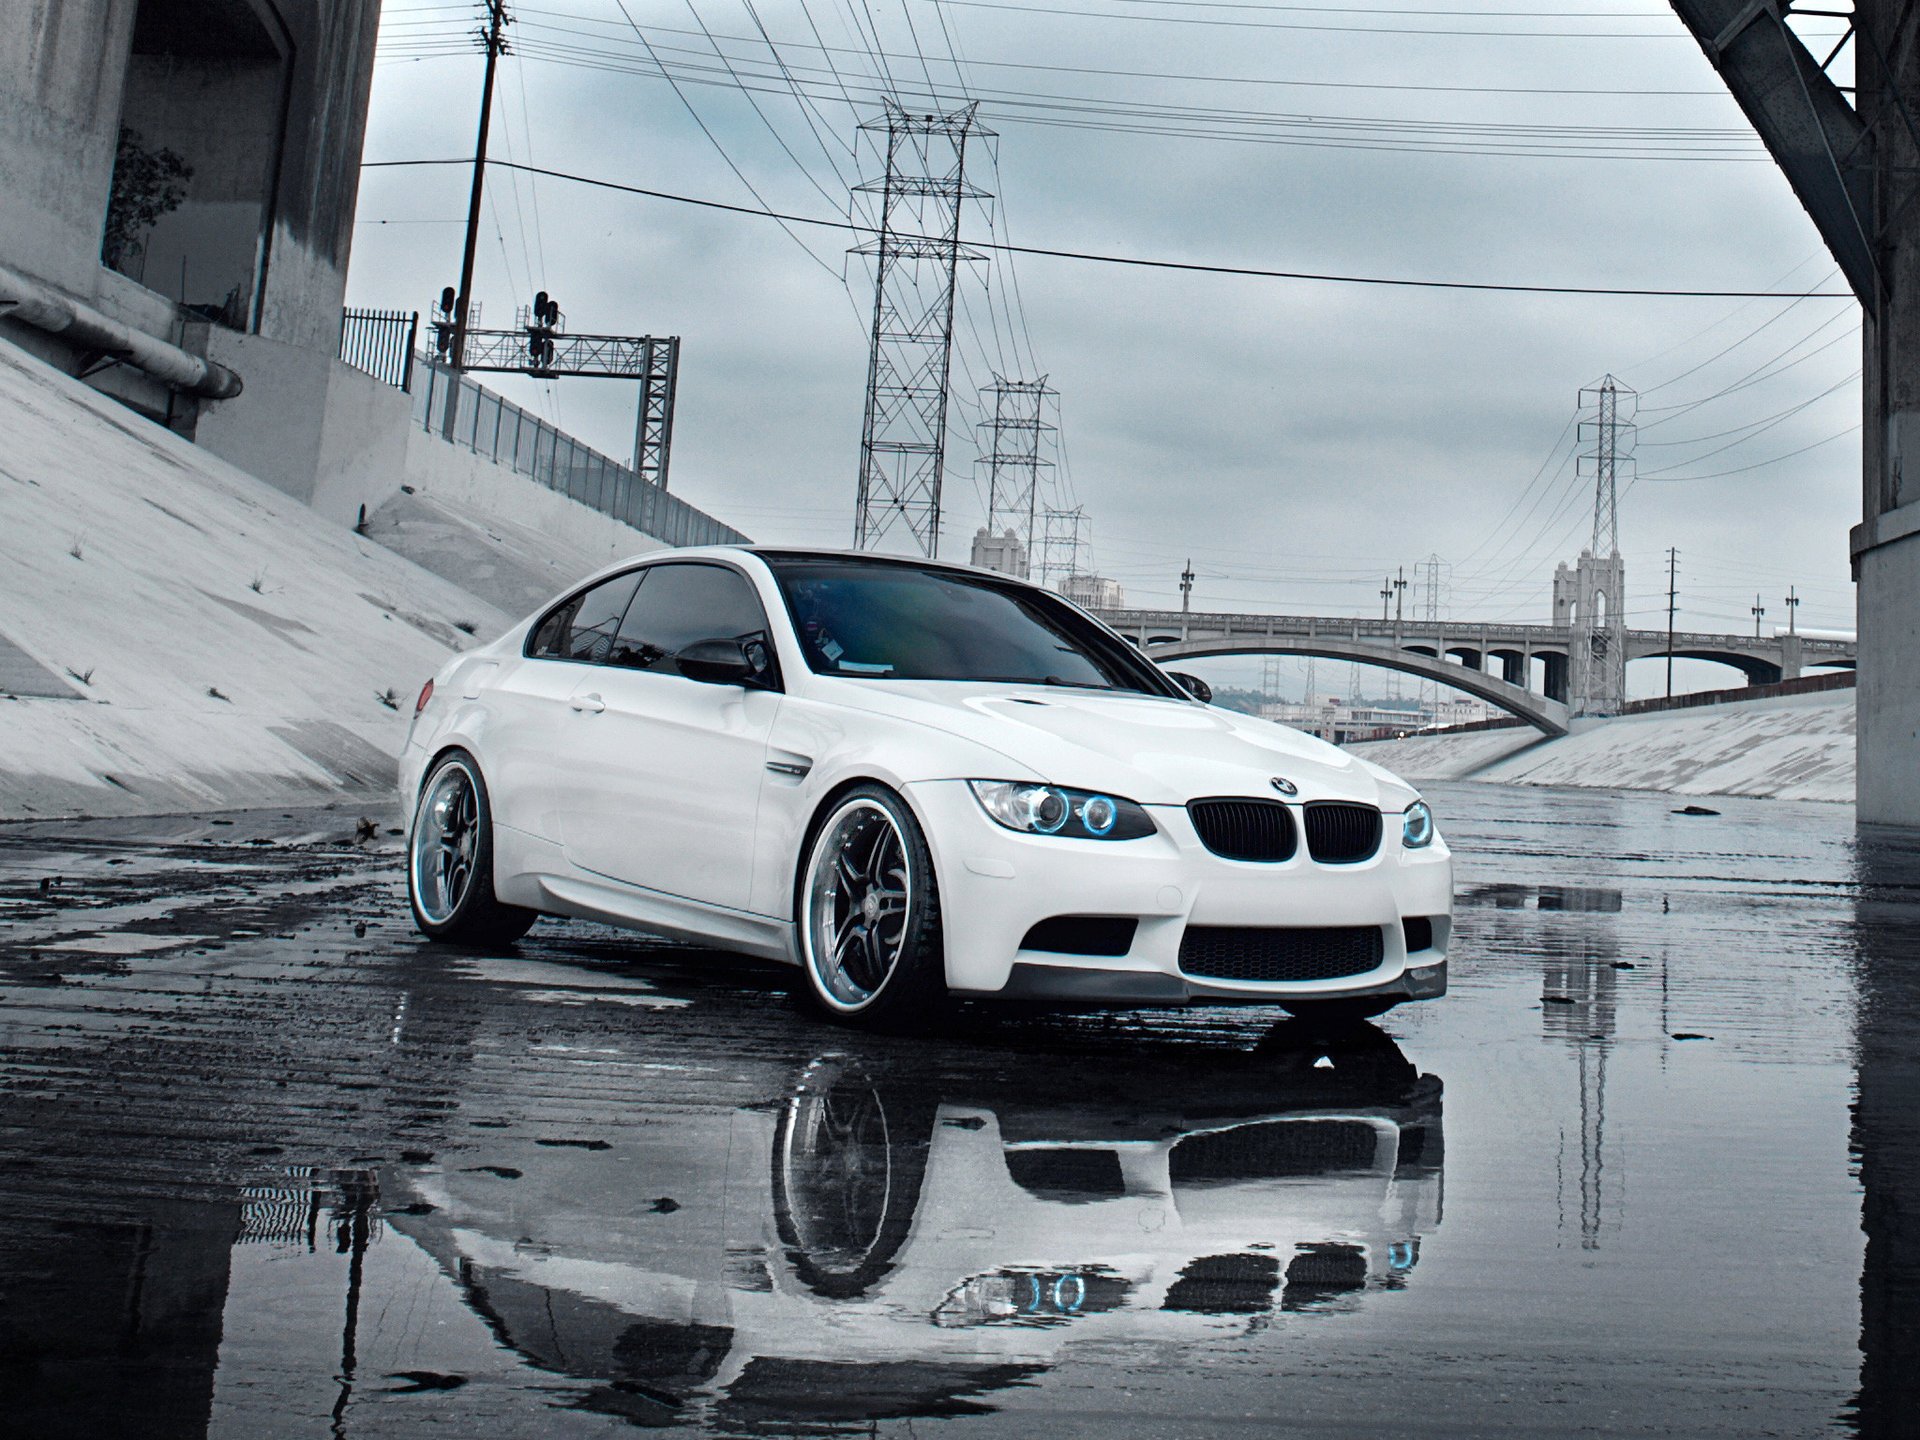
<point>1673,595</point>
<point>1399,596</point>
<point>1386,597</point>
<point>1793,604</point>
<point>1758,611</point>
<point>1186,588</point>
<point>903,437</point>
<point>493,39</point>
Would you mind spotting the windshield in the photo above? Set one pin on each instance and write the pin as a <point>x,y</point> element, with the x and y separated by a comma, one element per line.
<point>886,621</point>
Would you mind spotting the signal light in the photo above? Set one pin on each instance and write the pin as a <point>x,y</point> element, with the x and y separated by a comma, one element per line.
<point>426,694</point>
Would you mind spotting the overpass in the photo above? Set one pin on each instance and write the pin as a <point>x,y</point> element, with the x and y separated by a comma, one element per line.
<point>1459,653</point>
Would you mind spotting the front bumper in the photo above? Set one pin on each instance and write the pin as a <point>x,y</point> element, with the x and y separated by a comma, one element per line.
<point>996,885</point>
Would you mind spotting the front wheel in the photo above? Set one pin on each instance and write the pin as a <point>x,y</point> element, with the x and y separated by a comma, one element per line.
<point>450,860</point>
<point>869,914</point>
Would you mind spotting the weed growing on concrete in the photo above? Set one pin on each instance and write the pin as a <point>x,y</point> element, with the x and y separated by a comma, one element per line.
<point>78,549</point>
<point>388,698</point>
<point>214,692</point>
<point>85,677</point>
<point>259,580</point>
<point>465,626</point>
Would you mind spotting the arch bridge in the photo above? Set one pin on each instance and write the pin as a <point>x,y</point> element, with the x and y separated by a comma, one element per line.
<point>1463,655</point>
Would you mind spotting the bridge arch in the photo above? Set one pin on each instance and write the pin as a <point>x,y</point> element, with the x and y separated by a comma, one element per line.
<point>1547,716</point>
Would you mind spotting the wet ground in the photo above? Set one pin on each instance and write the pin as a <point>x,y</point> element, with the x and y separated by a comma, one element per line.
<point>271,1167</point>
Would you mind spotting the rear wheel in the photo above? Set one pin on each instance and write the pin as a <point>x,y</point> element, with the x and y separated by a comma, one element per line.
<point>450,860</point>
<point>869,915</point>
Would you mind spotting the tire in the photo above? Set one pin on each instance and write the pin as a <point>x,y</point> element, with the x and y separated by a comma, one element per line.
<point>450,860</point>
<point>849,1159</point>
<point>868,915</point>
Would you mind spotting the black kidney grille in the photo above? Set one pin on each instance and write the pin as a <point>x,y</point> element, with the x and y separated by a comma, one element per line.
<point>1239,952</point>
<point>1342,834</point>
<point>1244,829</point>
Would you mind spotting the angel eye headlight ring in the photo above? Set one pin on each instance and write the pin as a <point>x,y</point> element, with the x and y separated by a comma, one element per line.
<point>1033,807</point>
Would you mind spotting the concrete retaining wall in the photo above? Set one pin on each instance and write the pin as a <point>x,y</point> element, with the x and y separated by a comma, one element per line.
<point>1797,747</point>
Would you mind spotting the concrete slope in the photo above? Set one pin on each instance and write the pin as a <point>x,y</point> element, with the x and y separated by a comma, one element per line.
<point>176,635</point>
<point>514,566</point>
<point>1797,747</point>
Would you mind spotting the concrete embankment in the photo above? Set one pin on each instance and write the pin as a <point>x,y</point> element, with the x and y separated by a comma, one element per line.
<point>177,635</point>
<point>1791,747</point>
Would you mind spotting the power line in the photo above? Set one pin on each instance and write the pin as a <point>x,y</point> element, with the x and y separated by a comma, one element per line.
<point>1674,34</point>
<point>1253,272</point>
<point>1716,94</point>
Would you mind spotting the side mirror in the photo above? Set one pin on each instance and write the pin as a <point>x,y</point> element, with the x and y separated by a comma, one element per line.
<point>717,662</point>
<point>1193,685</point>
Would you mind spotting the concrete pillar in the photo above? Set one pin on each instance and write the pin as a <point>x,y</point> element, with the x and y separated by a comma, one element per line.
<point>1790,661</point>
<point>1886,545</point>
<point>1556,677</point>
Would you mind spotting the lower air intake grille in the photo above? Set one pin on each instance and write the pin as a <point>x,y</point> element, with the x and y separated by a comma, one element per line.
<point>1244,829</point>
<point>1235,952</point>
<point>1342,834</point>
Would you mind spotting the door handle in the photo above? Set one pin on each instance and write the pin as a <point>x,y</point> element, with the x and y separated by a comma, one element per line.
<point>592,704</point>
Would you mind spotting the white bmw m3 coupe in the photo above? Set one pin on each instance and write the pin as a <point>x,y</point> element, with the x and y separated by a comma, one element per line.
<point>913,780</point>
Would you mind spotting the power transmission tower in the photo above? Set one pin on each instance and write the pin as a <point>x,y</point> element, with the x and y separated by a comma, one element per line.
<point>1012,456</point>
<point>1060,544</point>
<point>903,437</point>
<point>1599,650</point>
<point>1272,669</point>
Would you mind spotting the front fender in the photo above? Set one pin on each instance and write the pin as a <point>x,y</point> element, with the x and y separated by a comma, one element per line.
<point>844,747</point>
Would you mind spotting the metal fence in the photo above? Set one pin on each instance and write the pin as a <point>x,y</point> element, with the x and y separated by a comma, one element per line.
<point>380,342</point>
<point>502,432</point>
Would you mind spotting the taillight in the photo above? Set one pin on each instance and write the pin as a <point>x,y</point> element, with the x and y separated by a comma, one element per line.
<point>426,694</point>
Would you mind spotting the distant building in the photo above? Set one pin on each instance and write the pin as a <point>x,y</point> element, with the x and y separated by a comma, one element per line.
<point>1095,592</point>
<point>1003,552</point>
<point>1341,720</point>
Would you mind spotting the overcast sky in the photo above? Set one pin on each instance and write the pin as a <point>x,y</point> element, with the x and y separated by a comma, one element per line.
<point>1298,439</point>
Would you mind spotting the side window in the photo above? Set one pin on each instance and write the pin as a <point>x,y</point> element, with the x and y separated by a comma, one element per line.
<point>681,604</point>
<point>583,628</point>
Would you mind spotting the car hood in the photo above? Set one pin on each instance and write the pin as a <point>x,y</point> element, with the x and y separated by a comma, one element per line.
<point>1158,752</point>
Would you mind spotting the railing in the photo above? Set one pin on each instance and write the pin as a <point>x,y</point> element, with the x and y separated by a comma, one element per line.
<point>380,343</point>
<point>1207,624</point>
<point>502,432</point>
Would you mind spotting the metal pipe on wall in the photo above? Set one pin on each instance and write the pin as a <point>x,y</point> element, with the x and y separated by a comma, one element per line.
<point>32,303</point>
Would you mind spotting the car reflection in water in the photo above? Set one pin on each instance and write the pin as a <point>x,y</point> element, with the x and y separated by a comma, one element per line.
<point>875,1246</point>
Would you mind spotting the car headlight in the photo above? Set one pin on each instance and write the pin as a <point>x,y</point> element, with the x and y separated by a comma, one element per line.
<point>1036,809</point>
<point>1416,827</point>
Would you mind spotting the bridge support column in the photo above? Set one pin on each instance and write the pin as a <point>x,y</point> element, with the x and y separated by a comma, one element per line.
<point>1556,677</point>
<point>1790,657</point>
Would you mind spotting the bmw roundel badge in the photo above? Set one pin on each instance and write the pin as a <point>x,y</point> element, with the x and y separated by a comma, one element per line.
<point>1284,785</point>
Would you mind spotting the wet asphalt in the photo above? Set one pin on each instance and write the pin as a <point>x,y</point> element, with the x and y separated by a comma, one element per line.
<point>272,1166</point>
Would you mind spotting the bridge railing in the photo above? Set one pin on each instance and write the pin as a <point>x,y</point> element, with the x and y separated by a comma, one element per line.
<point>1216,622</point>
